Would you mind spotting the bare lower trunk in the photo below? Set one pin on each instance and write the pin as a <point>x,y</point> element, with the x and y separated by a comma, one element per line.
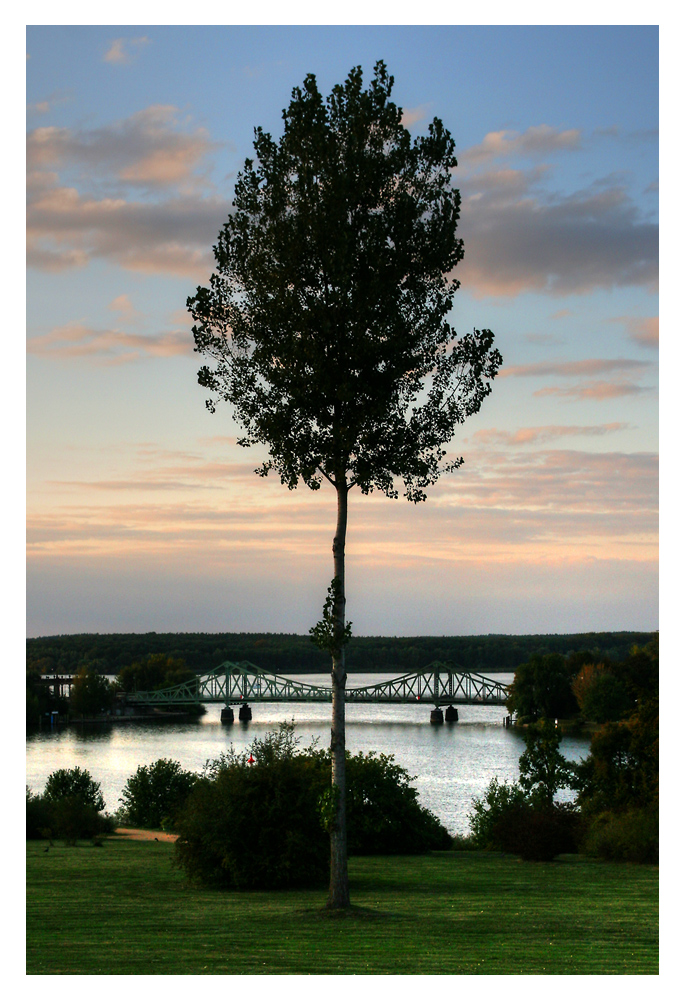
<point>339,876</point>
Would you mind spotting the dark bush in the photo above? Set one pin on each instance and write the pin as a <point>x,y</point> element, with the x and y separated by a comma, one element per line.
<point>627,836</point>
<point>256,826</point>
<point>39,817</point>
<point>384,815</point>
<point>507,819</point>
<point>68,818</point>
<point>538,833</point>
<point>153,795</point>
<point>261,824</point>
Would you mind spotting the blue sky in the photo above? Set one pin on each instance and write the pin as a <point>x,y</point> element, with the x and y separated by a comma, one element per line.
<point>143,514</point>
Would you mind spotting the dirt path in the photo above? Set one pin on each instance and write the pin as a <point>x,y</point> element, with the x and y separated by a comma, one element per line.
<point>130,834</point>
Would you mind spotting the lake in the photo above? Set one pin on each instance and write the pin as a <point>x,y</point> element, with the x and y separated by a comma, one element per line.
<point>451,763</point>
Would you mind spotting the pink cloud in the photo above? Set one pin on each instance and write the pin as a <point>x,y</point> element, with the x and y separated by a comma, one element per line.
<point>75,340</point>
<point>540,435</point>
<point>596,390</point>
<point>643,330</point>
<point>587,366</point>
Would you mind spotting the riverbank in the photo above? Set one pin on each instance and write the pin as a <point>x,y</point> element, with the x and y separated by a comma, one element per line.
<point>125,909</point>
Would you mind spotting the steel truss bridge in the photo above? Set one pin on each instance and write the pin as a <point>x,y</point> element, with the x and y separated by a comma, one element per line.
<point>240,683</point>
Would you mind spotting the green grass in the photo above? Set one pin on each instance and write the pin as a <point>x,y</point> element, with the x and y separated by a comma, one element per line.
<point>124,909</point>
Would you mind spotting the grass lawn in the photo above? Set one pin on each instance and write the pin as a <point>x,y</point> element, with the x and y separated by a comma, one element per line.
<point>124,909</point>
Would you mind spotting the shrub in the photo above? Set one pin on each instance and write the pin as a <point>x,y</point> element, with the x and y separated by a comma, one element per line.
<point>256,826</point>
<point>628,836</point>
<point>39,817</point>
<point>384,815</point>
<point>155,793</point>
<point>67,817</point>
<point>507,819</point>
<point>499,802</point>
<point>261,824</point>
<point>76,784</point>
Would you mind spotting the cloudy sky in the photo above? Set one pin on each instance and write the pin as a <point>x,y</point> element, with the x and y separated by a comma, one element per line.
<point>144,514</point>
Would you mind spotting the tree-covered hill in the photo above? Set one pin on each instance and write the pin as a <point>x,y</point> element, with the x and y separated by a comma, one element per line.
<point>285,653</point>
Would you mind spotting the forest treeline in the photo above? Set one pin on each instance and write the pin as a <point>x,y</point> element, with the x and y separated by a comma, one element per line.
<point>286,653</point>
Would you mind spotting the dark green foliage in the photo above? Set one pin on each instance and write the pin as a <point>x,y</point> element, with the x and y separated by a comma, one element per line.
<point>39,817</point>
<point>508,820</point>
<point>543,688</point>
<point>384,814</point>
<point>261,824</point>
<point>70,809</point>
<point>523,817</point>
<point>606,699</point>
<point>632,835</point>
<point>153,795</point>
<point>256,826</point>
<point>295,653</point>
<point>73,783</point>
<point>619,781</point>
<point>543,771</point>
<point>91,693</point>
<point>154,672</point>
<point>326,322</point>
<point>621,772</point>
<point>324,633</point>
<point>490,812</point>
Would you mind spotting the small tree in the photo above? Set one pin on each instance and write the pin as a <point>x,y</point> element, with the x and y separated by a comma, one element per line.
<point>156,792</point>
<point>91,693</point>
<point>542,688</point>
<point>327,325</point>
<point>543,771</point>
<point>73,783</point>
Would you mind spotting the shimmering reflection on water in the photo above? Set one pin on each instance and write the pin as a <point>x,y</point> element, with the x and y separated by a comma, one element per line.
<point>451,763</point>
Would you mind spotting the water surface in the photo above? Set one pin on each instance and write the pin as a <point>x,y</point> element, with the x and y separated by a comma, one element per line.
<point>451,763</point>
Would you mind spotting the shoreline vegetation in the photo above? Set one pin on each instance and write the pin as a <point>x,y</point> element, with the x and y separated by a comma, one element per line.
<point>290,653</point>
<point>446,913</point>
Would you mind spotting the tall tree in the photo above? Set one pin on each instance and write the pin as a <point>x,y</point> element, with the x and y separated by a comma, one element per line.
<point>327,324</point>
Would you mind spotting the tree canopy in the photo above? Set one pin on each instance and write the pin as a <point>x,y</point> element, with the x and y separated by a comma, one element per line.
<point>327,319</point>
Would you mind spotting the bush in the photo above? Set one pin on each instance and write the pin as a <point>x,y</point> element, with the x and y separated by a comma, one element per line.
<point>261,824</point>
<point>498,803</point>
<point>384,815</point>
<point>507,819</point>
<point>39,817</point>
<point>256,826</point>
<point>628,836</point>
<point>67,817</point>
<point>153,795</point>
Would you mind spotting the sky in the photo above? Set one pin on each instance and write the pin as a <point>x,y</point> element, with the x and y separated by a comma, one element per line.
<point>145,515</point>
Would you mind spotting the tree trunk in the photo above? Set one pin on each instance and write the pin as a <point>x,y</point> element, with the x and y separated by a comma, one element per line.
<point>339,876</point>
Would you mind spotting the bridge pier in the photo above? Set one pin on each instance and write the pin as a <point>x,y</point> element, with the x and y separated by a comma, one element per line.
<point>451,714</point>
<point>227,715</point>
<point>245,713</point>
<point>436,718</point>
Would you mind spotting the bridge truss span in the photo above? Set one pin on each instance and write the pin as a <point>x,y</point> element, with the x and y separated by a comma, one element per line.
<point>240,683</point>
